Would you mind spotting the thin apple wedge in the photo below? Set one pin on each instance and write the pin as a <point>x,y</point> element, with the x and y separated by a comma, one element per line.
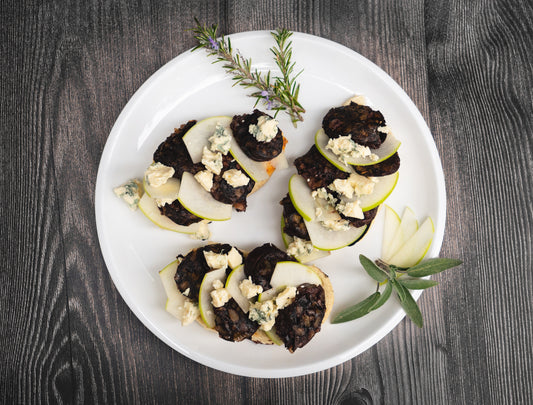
<point>149,208</point>
<point>416,247</point>
<point>292,274</point>
<point>382,189</point>
<point>175,299</point>
<point>385,151</point>
<point>392,222</point>
<point>198,136</point>
<point>232,285</point>
<point>204,299</point>
<point>408,226</point>
<point>200,202</point>
<point>325,239</point>
<point>301,197</point>
<point>167,191</point>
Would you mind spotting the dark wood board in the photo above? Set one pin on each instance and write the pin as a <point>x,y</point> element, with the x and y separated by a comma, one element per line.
<point>68,70</point>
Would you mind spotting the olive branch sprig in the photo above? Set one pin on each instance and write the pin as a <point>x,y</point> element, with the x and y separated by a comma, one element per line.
<point>279,93</point>
<point>399,280</point>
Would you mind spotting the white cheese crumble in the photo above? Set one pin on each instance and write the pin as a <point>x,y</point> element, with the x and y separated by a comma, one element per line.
<point>205,178</point>
<point>265,130</point>
<point>385,130</point>
<point>234,258</point>
<point>130,192</point>
<point>187,292</point>
<point>264,313</point>
<point>190,313</point>
<point>323,194</point>
<point>249,289</point>
<point>355,184</point>
<point>345,148</point>
<point>300,247</point>
<point>286,297</point>
<point>216,260</point>
<point>236,178</point>
<point>212,160</point>
<point>351,209</point>
<point>221,139</point>
<point>202,233</point>
<point>219,295</point>
<point>162,201</point>
<point>336,224</point>
<point>157,174</point>
<point>357,99</point>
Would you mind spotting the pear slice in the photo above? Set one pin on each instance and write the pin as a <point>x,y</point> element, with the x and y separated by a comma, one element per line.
<point>259,172</point>
<point>149,208</point>
<point>416,247</point>
<point>301,197</point>
<point>382,189</point>
<point>385,151</point>
<point>204,298</point>
<point>198,136</point>
<point>408,226</point>
<point>325,239</point>
<point>321,140</point>
<point>292,274</point>
<point>201,203</point>
<point>391,224</point>
<point>305,258</point>
<point>175,298</point>
<point>167,191</point>
<point>232,285</point>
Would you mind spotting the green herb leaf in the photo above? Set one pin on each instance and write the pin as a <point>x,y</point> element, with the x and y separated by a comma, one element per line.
<point>432,266</point>
<point>372,269</point>
<point>417,284</point>
<point>411,308</point>
<point>358,310</point>
<point>384,296</point>
<point>399,289</point>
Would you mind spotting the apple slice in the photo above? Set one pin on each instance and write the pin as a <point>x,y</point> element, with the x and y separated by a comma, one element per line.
<point>292,274</point>
<point>149,208</point>
<point>169,190</point>
<point>259,172</point>
<point>175,298</point>
<point>232,285</point>
<point>385,151</point>
<point>204,298</point>
<point>325,239</point>
<point>200,202</point>
<point>321,140</point>
<point>391,224</point>
<point>408,226</point>
<point>416,247</point>
<point>198,136</point>
<point>301,197</point>
<point>382,189</point>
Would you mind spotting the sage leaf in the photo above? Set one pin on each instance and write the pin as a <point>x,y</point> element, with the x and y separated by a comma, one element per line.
<point>432,266</point>
<point>372,269</point>
<point>358,310</point>
<point>399,289</point>
<point>417,284</point>
<point>411,308</point>
<point>384,296</point>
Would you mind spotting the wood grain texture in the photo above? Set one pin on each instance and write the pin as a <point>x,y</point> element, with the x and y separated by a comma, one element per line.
<point>68,70</point>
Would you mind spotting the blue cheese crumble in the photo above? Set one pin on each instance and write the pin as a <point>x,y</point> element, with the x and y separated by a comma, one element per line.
<point>264,313</point>
<point>221,139</point>
<point>236,178</point>
<point>300,247</point>
<point>158,174</point>
<point>130,192</point>
<point>265,130</point>
<point>212,160</point>
<point>345,148</point>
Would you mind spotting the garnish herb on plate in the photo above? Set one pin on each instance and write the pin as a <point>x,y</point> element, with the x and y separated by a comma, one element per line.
<point>278,93</point>
<point>401,281</point>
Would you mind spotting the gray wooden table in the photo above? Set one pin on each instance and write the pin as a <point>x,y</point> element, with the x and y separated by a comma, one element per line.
<point>66,335</point>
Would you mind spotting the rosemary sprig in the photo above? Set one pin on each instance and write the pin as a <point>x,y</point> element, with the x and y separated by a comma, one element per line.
<point>399,280</point>
<point>278,93</point>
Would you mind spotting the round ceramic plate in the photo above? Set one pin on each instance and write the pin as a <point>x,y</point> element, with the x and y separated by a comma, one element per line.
<point>190,87</point>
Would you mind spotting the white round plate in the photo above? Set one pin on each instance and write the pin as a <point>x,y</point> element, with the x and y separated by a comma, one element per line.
<point>190,87</point>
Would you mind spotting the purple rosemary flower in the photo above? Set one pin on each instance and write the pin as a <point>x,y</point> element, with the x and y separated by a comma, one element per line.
<point>265,94</point>
<point>213,43</point>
